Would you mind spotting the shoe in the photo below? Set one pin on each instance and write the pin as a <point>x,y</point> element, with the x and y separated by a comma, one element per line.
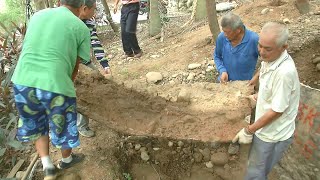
<point>86,132</point>
<point>138,55</point>
<point>76,158</point>
<point>50,174</point>
<point>126,56</point>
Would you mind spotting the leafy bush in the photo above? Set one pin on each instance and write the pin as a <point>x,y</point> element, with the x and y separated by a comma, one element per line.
<point>14,12</point>
<point>10,45</point>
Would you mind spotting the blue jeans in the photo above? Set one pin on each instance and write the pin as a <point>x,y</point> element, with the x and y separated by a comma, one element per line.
<point>263,156</point>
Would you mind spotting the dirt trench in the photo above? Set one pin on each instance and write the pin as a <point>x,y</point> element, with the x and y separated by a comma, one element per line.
<point>200,111</point>
<point>165,132</point>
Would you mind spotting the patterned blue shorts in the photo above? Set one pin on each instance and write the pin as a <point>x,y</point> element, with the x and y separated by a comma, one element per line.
<point>43,111</point>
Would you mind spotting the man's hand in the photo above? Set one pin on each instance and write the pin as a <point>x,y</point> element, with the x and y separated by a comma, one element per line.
<point>255,79</point>
<point>224,77</point>
<point>243,137</point>
<point>107,71</point>
<point>253,82</point>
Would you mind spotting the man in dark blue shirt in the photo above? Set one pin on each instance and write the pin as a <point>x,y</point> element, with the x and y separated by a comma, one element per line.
<point>236,51</point>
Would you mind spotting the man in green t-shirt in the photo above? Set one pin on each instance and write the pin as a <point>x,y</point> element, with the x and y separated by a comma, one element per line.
<point>55,42</point>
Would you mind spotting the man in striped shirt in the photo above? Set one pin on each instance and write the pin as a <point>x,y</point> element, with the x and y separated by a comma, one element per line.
<point>96,44</point>
<point>87,17</point>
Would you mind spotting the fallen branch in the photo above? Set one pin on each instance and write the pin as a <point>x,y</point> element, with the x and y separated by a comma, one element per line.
<point>15,169</point>
<point>25,175</point>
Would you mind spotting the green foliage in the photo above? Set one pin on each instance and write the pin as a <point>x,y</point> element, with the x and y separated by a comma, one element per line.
<point>15,12</point>
<point>10,45</point>
<point>127,176</point>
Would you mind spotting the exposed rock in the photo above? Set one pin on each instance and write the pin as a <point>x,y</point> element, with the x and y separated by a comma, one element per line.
<point>191,76</point>
<point>20,174</point>
<point>143,149</point>
<point>209,164</point>
<point>233,148</point>
<point>316,60</point>
<point>318,67</point>
<point>184,95</point>
<point>265,11</point>
<point>170,144</point>
<point>197,157</point>
<point>215,144</point>
<point>286,21</point>
<point>153,77</point>
<point>137,147</point>
<point>155,56</point>
<point>174,75</point>
<point>219,158</point>
<point>206,154</point>
<point>180,144</point>
<point>193,66</point>
<point>144,156</point>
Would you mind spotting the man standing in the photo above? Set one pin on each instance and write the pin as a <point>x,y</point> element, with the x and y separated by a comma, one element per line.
<point>236,52</point>
<point>56,40</point>
<point>86,16</point>
<point>277,104</point>
<point>128,21</point>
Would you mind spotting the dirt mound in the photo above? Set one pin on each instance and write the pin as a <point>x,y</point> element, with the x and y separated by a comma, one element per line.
<point>201,111</point>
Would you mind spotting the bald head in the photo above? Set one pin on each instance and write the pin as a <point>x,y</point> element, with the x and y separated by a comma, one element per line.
<point>278,31</point>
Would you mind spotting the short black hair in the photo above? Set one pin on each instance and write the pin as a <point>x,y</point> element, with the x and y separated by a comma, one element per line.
<point>72,3</point>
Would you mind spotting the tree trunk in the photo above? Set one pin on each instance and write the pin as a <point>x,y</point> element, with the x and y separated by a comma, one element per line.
<point>212,18</point>
<point>154,17</point>
<point>108,15</point>
<point>40,4</point>
<point>200,10</point>
<point>51,3</point>
<point>303,6</point>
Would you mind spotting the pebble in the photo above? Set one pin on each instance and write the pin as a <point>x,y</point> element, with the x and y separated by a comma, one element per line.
<point>209,164</point>
<point>137,147</point>
<point>193,66</point>
<point>144,156</point>
<point>265,11</point>
<point>180,144</point>
<point>233,148</point>
<point>170,144</point>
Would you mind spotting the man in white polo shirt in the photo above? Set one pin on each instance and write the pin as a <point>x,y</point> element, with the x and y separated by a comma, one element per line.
<point>277,104</point>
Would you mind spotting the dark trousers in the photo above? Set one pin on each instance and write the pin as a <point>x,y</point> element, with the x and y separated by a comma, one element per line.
<point>129,19</point>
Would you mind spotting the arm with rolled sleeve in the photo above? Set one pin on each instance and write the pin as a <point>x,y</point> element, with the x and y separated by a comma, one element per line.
<point>218,54</point>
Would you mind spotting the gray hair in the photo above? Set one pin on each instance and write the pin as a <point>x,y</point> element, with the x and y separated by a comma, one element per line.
<point>72,3</point>
<point>232,21</point>
<point>89,3</point>
<point>280,31</point>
